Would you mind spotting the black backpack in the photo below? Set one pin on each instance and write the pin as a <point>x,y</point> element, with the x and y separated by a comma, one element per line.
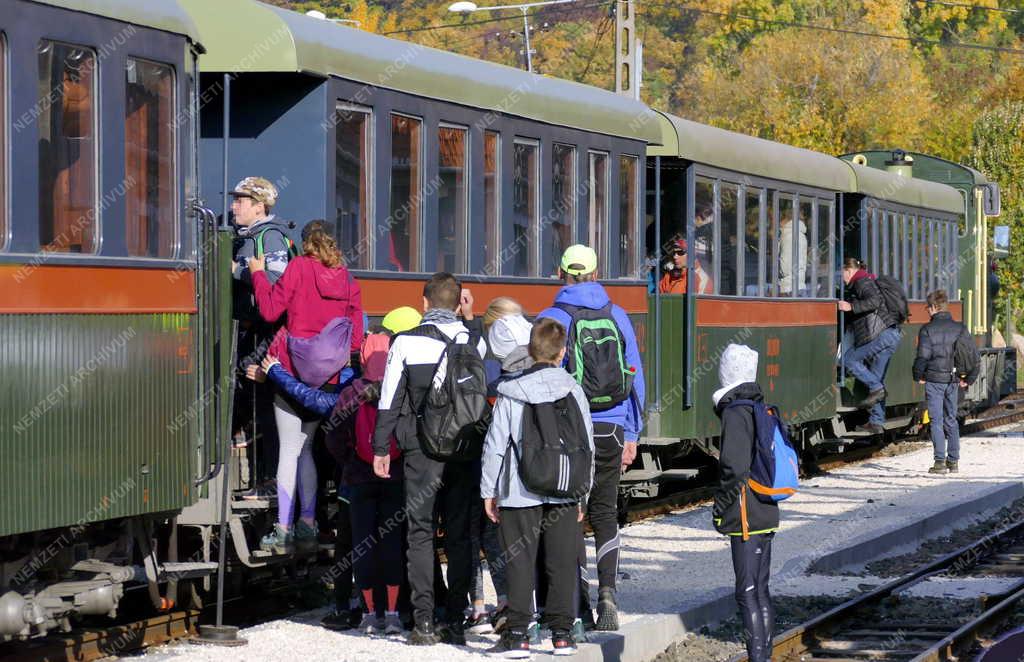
<point>554,453</point>
<point>597,356</point>
<point>453,418</point>
<point>894,297</point>
<point>966,357</point>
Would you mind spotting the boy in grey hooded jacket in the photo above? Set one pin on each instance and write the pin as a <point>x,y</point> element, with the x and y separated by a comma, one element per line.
<point>523,517</point>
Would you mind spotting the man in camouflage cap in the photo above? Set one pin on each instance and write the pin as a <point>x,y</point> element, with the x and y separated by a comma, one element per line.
<point>260,232</point>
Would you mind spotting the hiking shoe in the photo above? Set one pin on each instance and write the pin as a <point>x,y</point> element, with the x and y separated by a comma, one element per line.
<point>533,632</point>
<point>563,643</point>
<point>579,631</point>
<point>499,620</point>
<point>874,397</point>
<point>369,624</point>
<point>278,541</point>
<point>306,537</point>
<point>478,624</point>
<point>453,633</point>
<point>423,634</point>
<point>952,466</point>
<point>871,428</point>
<point>392,623</point>
<point>512,646</point>
<point>607,611</point>
<point>939,467</point>
<point>336,620</point>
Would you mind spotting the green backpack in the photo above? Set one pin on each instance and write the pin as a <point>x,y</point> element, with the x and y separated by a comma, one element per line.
<point>597,356</point>
<point>293,252</point>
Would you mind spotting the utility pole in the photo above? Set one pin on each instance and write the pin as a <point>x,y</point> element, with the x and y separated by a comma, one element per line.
<point>627,53</point>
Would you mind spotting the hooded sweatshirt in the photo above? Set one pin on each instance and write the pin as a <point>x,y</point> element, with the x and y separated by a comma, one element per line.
<point>312,295</point>
<point>786,271</point>
<point>542,383</point>
<point>629,412</point>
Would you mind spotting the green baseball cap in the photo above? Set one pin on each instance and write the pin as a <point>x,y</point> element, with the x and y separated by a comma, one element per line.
<point>578,260</point>
<point>401,319</point>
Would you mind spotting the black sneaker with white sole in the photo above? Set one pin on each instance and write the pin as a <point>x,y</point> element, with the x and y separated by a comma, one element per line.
<point>478,624</point>
<point>563,642</point>
<point>512,646</point>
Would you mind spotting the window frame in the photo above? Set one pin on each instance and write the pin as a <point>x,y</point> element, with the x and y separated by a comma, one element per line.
<point>6,209</point>
<point>533,227</point>
<point>574,215</point>
<point>602,254</point>
<point>461,231</point>
<point>492,266</point>
<point>177,234</point>
<point>623,271</point>
<point>368,170</point>
<point>415,267</point>
<point>924,227</point>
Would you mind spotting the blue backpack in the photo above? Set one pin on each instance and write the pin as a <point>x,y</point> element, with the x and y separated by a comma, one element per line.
<point>774,469</point>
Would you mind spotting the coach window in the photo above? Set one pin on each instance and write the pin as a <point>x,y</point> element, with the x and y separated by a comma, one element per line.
<point>926,256</point>
<point>941,256</point>
<point>729,251</point>
<point>703,248</point>
<point>885,246</point>
<point>804,240</point>
<point>492,202</point>
<point>558,233</point>
<point>787,245</point>
<point>149,159</point>
<point>352,167</point>
<point>4,227</point>
<point>403,223</point>
<point>954,262</point>
<point>907,234</point>
<point>629,217</point>
<point>452,199</point>
<point>770,245</point>
<point>753,265</point>
<point>598,219</point>
<point>525,207</point>
<point>67,148</point>
<point>824,252</point>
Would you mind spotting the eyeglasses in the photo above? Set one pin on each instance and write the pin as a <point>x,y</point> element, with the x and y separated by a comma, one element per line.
<point>677,253</point>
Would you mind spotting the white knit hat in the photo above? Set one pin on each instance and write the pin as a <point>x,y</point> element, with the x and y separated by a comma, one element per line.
<point>507,333</point>
<point>737,366</point>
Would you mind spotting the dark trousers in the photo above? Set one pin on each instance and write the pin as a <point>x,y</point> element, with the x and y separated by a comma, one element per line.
<point>602,508</point>
<point>342,568</point>
<point>942,406</point>
<point>520,531</point>
<point>752,562</point>
<point>377,534</point>
<point>451,487</point>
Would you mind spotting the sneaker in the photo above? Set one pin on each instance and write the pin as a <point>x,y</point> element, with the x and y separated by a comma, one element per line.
<point>512,646</point>
<point>563,643</point>
<point>478,624</point>
<point>278,541</point>
<point>873,398</point>
<point>533,632</point>
<point>587,616</point>
<point>607,611</point>
<point>355,616</point>
<point>306,537</point>
<point>392,623</point>
<point>952,466</point>
<point>939,467</point>
<point>369,625</point>
<point>453,633</point>
<point>579,631</point>
<point>499,620</point>
<point>336,620</point>
<point>423,634</point>
<point>871,428</point>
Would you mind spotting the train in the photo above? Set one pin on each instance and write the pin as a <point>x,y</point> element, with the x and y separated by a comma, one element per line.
<point>122,130</point>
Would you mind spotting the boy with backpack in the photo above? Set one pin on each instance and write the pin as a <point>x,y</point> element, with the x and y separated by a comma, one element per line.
<point>757,467</point>
<point>538,465</point>
<point>434,401</point>
<point>604,359</point>
<point>947,361</point>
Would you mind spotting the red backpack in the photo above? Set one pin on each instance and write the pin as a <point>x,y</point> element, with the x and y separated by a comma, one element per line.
<point>366,423</point>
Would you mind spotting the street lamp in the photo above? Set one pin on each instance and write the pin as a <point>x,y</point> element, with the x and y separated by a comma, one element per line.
<point>467,7</point>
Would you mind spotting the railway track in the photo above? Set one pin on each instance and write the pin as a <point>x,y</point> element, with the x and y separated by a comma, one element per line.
<point>861,629</point>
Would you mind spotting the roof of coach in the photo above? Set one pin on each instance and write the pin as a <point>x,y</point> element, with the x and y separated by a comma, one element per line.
<point>907,190</point>
<point>932,168</point>
<point>749,155</point>
<point>166,15</point>
<point>280,40</point>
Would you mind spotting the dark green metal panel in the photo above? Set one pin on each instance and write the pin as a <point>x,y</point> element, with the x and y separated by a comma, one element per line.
<point>165,15</point>
<point>98,417</point>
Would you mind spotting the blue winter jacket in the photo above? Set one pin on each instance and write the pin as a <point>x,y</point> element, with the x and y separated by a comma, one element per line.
<point>629,412</point>
<point>312,399</point>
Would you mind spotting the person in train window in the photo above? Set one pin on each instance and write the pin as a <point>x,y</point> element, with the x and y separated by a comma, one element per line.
<point>703,233</point>
<point>787,278</point>
<point>675,279</point>
<point>876,336</point>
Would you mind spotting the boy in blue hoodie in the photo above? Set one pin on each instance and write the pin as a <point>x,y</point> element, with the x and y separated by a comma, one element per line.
<point>616,429</point>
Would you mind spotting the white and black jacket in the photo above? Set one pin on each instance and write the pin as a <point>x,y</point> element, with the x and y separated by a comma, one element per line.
<point>412,361</point>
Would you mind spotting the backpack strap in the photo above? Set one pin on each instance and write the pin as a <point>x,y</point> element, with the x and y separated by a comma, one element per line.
<point>293,252</point>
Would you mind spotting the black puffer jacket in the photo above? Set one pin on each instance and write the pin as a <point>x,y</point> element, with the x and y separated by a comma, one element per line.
<point>935,342</point>
<point>737,512</point>
<point>869,316</point>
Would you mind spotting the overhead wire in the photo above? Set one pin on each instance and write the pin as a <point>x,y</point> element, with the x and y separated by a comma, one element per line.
<point>517,16</point>
<point>945,3</point>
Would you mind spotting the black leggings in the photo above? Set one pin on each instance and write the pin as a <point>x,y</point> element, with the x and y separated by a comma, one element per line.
<point>377,533</point>
<point>752,562</point>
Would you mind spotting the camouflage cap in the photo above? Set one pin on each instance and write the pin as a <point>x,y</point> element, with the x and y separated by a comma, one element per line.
<point>257,188</point>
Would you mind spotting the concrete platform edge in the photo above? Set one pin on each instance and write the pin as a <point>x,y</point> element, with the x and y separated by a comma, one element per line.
<point>643,639</point>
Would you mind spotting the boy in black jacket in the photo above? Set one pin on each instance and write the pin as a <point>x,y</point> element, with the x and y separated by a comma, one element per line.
<point>749,523</point>
<point>936,368</point>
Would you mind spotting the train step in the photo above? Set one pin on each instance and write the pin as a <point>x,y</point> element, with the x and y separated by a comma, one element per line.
<point>641,475</point>
<point>186,570</point>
